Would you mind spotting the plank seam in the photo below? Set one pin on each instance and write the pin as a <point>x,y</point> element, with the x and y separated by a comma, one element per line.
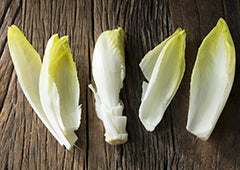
<point>5,39</point>
<point>5,95</point>
<point>24,133</point>
<point>5,13</point>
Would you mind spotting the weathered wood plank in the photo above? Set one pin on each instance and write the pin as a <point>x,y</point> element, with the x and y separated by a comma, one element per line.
<point>10,13</point>
<point>25,143</point>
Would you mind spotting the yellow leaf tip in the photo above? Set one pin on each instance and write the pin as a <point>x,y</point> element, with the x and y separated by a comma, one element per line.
<point>13,31</point>
<point>13,27</point>
<point>55,35</point>
<point>221,20</point>
<point>222,23</point>
<point>179,29</point>
<point>183,32</point>
<point>64,39</point>
<point>120,29</point>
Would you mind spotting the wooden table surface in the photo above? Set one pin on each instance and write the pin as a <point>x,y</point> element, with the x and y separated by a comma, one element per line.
<point>25,143</point>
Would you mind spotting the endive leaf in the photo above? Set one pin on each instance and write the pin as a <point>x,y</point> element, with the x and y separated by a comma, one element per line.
<point>59,90</point>
<point>108,69</point>
<point>27,64</point>
<point>50,99</point>
<point>148,62</point>
<point>62,70</point>
<point>211,81</point>
<point>164,67</point>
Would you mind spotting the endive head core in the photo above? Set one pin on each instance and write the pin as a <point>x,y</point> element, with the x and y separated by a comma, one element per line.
<point>108,68</point>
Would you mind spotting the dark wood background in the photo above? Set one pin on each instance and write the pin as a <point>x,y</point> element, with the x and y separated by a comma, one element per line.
<point>26,144</point>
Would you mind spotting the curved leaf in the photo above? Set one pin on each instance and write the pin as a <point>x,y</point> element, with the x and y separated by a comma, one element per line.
<point>59,85</point>
<point>211,81</point>
<point>164,73</point>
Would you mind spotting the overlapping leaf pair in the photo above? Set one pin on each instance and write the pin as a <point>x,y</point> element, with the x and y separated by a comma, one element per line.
<point>51,87</point>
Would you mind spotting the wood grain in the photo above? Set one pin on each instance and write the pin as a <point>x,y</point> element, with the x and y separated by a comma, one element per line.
<point>25,143</point>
